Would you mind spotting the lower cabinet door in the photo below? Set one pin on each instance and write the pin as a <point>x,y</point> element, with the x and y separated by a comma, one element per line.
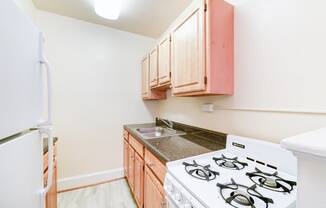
<point>125,157</point>
<point>154,195</point>
<point>131,170</point>
<point>139,180</point>
<point>51,196</point>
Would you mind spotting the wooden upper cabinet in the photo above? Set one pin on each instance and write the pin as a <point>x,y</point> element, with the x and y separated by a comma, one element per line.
<point>164,62</point>
<point>202,49</point>
<point>153,68</point>
<point>188,51</point>
<point>147,92</point>
<point>197,56</point>
<point>145,77</point>
<point>139,180</point>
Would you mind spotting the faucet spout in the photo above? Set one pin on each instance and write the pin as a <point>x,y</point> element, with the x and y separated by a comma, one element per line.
<point>167,122</point>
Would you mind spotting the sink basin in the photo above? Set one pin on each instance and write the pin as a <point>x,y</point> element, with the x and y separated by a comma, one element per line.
<point>157,132</point>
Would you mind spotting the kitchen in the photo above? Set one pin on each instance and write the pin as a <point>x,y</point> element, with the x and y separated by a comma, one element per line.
<point>272,79</point>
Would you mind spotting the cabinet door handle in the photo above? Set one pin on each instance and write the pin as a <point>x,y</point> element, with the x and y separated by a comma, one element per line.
<point>151,165</point>
<point>163,204</point>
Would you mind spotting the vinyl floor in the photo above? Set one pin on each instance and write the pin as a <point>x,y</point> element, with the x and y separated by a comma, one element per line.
<point>115,194</point>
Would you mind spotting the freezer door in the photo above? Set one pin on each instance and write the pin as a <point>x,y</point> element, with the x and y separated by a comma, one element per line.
<point>20,71</point>
<point>21,172</point>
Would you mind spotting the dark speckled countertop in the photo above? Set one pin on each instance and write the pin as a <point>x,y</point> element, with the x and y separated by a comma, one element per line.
<point>196,141</point>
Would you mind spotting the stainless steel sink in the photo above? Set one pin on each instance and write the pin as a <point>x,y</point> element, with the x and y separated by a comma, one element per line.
<point>157,132</point>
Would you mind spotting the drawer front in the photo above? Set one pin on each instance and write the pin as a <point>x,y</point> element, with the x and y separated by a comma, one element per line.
<point>139,148</point>
<point>125,134</point>
<point>155,165</point>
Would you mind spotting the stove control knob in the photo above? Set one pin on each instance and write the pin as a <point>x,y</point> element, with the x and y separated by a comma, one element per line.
<point>187,205</point>
<point>169,188</point>
<point>177,197</point>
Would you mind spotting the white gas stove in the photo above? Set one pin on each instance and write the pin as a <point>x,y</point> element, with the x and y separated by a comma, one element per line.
<point>247,174</point>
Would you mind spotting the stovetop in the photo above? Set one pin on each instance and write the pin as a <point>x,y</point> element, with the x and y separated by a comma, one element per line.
<point>222,179</point>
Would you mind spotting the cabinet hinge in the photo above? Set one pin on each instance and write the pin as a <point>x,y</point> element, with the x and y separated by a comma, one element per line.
<point>170,39</point>
<point>205,8</point>
<point>205,79</point>
<point>170,74</point>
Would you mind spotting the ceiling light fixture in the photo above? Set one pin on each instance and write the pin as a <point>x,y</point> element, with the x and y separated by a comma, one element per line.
<point>108,9</point>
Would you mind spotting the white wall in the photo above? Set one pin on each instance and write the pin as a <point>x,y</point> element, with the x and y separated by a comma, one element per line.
<point>27,7</point>
<point>96,83</point>
<point>280,65</point>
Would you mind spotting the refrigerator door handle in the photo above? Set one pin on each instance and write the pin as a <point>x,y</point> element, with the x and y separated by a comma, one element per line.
<point>45,62</point>
<point>48,132</point>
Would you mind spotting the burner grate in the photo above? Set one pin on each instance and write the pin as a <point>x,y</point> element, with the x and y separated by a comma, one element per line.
<point>240,196</point>
<point>230,163</point>
<point>200,171</point>
<point>271,181</point>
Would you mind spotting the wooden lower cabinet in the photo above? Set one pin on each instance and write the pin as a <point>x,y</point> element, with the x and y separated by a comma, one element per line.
<point>51,196</point>
<point>125,157</point>
<point>154,194</point>
<point>139,180</point>
<point>131,165</point>
<point>145,174</point>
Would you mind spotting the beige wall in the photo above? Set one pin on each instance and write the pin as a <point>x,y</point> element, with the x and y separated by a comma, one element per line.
<point>280,66</point>
<point>96,84</point>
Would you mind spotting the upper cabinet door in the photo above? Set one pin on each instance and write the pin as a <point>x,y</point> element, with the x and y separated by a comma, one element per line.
<point>145,77</point>
<point>153,68</point>
<point>188,51</point>
<point>164,61</point>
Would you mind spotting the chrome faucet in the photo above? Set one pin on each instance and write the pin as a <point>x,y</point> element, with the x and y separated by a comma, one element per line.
<point>167,122</point>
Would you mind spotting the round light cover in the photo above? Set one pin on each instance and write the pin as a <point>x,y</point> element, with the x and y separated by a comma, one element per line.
<point>108,9</point>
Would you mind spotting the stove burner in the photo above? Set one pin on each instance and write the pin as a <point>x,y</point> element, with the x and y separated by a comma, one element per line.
<point>230,163</point>
<point>200,171</point>
<point>271,181</point>
<point>240,196</point>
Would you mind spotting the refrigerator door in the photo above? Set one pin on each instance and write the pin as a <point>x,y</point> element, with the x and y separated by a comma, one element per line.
<point>21,72</point>
<point>21,171</point>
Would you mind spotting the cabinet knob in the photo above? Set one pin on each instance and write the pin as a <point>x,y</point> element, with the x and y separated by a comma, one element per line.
<point>177,197</point>
<point>151,165</point>
<point>163,204</point>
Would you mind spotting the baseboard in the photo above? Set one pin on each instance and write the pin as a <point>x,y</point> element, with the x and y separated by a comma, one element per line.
<point>88,179</point>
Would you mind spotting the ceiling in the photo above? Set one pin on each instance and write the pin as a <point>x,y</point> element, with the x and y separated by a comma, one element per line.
<point>145,17</point>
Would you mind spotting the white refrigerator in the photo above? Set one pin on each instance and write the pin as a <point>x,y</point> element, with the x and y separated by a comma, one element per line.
<point>25,110</point>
